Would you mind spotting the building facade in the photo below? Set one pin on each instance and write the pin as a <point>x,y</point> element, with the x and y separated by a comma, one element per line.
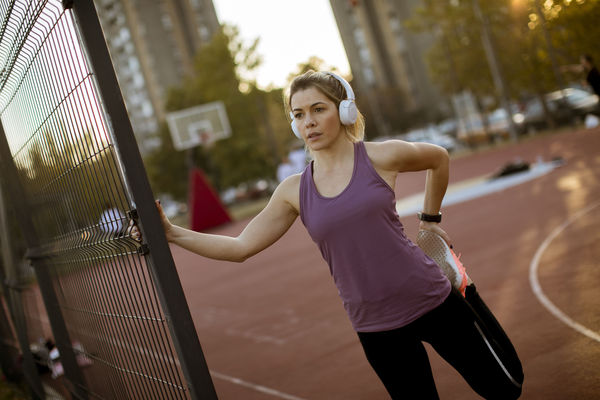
<point>152,45</point>
<point>384,56</point>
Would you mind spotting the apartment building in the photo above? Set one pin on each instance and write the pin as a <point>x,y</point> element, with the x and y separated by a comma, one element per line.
<point>384,55</point>
<point>152,45</point>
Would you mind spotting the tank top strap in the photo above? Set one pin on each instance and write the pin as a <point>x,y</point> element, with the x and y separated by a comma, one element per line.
<point>361,153</point>
<point>306,189</point>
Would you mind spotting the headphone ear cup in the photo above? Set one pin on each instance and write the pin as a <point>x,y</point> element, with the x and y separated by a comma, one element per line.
<point>295,129</point>
<point>348,112</point>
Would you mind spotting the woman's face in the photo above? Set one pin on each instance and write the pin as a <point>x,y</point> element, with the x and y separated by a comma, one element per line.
<point>316,117</point>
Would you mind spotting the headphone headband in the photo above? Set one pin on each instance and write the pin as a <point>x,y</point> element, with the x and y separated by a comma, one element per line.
<point>345,84</point>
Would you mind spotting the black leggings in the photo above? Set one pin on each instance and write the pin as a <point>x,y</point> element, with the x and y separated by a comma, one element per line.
<point>454,330</point>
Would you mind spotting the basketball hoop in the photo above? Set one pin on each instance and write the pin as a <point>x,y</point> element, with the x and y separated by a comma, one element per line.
<point>198,126</point>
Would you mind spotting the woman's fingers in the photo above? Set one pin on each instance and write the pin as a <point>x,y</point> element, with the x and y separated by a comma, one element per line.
<point>134,231</point>
<point>435,228</point>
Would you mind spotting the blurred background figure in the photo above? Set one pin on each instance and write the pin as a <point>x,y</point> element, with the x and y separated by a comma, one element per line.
<point>285,169</point>
<point>592,74</point>
<point>293,163</point>
<point>587,67</point>
<point>297,157</point>
<point>111,220</point>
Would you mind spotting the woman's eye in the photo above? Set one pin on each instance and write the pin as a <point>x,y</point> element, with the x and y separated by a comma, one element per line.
<point>297,116</point>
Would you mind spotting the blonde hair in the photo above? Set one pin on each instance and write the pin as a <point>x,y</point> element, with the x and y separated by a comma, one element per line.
<point>334,91</point>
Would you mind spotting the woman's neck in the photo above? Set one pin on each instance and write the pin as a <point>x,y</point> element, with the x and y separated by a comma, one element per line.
<point>339,153</point>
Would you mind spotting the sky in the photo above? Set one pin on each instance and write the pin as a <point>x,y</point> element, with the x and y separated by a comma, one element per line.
<point>290,33</point>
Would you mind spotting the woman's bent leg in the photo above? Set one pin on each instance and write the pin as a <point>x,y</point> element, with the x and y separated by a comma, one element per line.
<point>455,332</point>
<point>401,362</point>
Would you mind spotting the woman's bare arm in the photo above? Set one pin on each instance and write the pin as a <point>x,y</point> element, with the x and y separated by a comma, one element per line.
<point>401,156</point>
<point>261,232</point>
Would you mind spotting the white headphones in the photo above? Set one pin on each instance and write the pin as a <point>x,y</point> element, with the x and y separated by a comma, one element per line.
<point>347,109</point>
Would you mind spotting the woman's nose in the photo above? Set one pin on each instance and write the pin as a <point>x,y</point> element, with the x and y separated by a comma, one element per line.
<point>309,120</point>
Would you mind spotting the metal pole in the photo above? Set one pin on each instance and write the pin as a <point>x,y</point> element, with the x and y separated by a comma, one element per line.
<point>553,62</point>
<point>551,54</point>
<point>496,70</point>
<point>162,268</point>
<point>29,367</point>
<point>57,322</point>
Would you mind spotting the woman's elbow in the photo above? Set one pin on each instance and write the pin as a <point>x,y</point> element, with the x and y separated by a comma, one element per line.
<point>445,156</point>
<point>241,254</point>
<point>236,256</point>
<point>442,158</point>
<point>240,258</point>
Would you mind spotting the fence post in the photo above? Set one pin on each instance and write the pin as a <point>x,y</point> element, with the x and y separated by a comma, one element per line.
<point>29,368</point>
<point>57,322</point>
<point>163,269</point>
<point>36,389</point>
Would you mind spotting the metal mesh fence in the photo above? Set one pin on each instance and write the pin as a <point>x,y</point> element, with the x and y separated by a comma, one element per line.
<point>81,209</point>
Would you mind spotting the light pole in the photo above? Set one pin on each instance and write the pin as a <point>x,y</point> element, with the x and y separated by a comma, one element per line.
<point>496,70</point>
<point>551,54</point>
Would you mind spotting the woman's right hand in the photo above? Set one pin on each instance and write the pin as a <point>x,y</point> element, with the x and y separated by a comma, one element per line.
<point>167,225</point>
<point>435,228</point>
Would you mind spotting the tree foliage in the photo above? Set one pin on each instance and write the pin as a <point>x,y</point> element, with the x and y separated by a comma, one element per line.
<point>457,59</point>
<point>69,179</point>
<point>259,127</point>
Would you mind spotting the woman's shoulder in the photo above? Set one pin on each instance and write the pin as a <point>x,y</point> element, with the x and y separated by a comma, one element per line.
<point>385,154</point>
<point>289,189</point>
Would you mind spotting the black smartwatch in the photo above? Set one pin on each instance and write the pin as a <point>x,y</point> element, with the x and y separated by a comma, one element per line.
<point>429,217</point>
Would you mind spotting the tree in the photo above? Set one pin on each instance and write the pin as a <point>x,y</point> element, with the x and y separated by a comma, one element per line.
<point>457,61</point>
<point>250,153</point>
<point>574,29</point>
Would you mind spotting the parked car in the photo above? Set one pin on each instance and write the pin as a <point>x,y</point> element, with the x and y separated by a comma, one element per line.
<point>434,136</point>
<point>580,101</point>
<point>566,106</point>
<point>498,126</point>
<point>448,127</point>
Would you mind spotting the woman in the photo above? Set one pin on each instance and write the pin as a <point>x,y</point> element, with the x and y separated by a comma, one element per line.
<point>395,296</point>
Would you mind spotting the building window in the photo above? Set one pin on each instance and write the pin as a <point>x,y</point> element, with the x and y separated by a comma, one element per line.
<point>400,43</point>
<point>204,33</point>
<point>369,76</point>
<point>395,24</point>
<point>166,21</point>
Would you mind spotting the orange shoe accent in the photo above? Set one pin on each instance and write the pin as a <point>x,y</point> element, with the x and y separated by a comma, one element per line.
<point>463,273</point>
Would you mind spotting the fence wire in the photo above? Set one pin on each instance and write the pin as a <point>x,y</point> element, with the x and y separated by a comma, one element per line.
<point>70,170</point>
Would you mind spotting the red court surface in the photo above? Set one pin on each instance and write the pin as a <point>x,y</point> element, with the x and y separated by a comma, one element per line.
<point>274,327</point>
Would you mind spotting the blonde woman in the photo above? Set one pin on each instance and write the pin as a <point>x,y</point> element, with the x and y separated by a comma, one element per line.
<point>395,296</point>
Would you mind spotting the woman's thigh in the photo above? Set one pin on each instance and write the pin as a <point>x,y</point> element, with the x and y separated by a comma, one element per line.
<point>401,362</point>
<point>456,333</point>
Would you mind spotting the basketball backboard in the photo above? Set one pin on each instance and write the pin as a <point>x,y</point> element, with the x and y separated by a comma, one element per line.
<point>199,125</point>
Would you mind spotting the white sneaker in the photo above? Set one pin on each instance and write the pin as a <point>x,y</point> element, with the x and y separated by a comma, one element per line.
<point>434,246</point>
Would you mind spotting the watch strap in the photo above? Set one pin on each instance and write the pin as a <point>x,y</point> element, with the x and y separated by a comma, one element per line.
<point>430,217</point>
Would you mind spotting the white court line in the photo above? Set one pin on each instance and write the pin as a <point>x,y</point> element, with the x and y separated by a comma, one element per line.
<point>228,378</point>
<point>535,284</point>
<point>253,386</point>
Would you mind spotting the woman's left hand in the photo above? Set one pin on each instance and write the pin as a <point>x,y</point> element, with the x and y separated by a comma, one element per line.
<point>133,231</point>
<point>435,228</point>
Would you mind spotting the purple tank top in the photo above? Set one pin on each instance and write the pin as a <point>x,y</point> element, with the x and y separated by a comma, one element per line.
<point>385,280</point>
